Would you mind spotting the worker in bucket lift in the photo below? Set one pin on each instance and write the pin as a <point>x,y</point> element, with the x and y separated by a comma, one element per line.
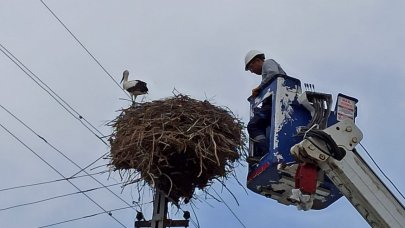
<point>256,63</point>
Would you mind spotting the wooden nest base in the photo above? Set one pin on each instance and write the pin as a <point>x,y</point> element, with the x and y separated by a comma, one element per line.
<point>176,144</point>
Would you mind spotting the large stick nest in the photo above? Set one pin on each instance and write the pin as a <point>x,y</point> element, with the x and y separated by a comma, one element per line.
<point>177,144</point>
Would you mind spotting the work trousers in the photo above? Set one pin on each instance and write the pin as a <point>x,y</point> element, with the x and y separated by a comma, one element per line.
<point>257,128</point>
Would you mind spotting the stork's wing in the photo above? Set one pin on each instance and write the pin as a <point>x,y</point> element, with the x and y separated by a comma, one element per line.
<point>139,88</point>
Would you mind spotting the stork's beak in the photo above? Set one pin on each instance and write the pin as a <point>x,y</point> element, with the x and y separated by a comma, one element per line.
<point>122,79</point>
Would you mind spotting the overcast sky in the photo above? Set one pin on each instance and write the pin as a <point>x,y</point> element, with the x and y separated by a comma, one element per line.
<point>353,47</point>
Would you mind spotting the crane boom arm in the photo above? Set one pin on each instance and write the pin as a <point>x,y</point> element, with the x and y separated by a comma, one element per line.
<point>353,177</point>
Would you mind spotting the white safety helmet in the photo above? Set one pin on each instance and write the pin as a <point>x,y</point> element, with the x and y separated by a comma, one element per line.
<point>251,55</point>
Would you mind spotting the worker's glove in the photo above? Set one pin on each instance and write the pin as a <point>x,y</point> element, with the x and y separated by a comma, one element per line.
<point>255,91</point>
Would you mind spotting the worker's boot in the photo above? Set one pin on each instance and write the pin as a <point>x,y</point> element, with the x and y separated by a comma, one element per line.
<point>252,160</point>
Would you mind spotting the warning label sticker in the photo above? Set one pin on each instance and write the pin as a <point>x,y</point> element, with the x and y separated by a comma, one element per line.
<point>345,108</point>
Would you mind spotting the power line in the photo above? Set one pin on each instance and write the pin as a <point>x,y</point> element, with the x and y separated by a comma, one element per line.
<point>229,208</point>
<point>55,197</point>
<point>197,223</point>
<point>48,182</point>
<point>88,216</point>
<point>81,44</point>
<point>54,169</point>
<point>383,173</point>
<point>79,117</point>
<point>87,166</point>
<point>52,93</point>
<point>61,153</point>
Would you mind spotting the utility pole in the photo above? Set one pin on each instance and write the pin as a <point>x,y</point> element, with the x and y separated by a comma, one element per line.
<point>159,219</point>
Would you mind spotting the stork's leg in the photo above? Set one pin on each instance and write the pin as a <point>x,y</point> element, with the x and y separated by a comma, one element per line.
<point>133,97</point>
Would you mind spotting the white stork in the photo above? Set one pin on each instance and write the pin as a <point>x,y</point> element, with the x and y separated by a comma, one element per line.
<point>134,87</point>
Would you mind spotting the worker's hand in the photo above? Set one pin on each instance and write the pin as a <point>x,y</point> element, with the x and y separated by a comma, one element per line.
<point>255,91</point>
